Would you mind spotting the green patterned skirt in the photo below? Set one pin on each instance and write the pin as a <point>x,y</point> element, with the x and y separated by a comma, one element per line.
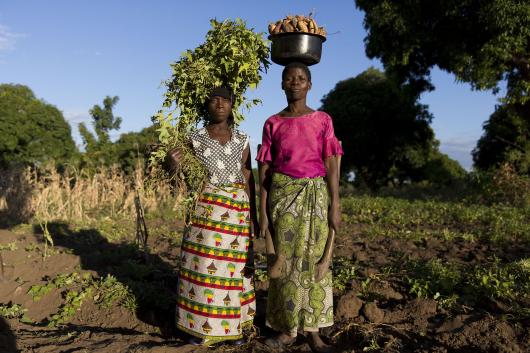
<point>299,215</point>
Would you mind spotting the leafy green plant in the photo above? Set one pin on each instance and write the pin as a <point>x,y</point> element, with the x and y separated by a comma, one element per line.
<point>232,55</point>
<point>110,291</point>
<point>343,272</point>
<point>12,311</point>
<point>498,280</point>
<point>38,291</point>
<point>433,279</point>
<point>30,247</point>
<point>73,301</point>
<point>104,291</point>
<point>9,246</point>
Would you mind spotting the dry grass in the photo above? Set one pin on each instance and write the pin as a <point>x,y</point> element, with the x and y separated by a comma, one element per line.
<point>46,195</point>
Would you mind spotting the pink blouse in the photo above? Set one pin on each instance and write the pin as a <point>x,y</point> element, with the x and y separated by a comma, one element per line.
<point>297,146</point>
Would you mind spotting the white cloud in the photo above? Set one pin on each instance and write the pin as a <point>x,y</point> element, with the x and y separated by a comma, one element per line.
<point>461,144</point>
<point>8,39</point>
<point>459,148</point>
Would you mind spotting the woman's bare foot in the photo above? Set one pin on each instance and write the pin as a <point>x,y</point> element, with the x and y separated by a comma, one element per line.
<point>280,341</point>
<point>317,345</point>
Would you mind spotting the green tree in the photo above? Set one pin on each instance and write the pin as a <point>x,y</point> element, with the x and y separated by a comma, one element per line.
<point>32,131</point>
<point>384,130</point>
<point>134,146</point>
<point>440,169</point>
<point>506,138</point>
<point>483,42</point>
<point>99,149</point>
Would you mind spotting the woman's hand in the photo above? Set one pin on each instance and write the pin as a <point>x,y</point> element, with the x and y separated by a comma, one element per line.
<point>263,224</point>
<point>322,268</point>
<point>173,158</point>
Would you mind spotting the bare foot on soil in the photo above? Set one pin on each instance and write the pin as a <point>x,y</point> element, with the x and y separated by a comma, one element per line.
<point>280,341</point>
<point>317,345</point>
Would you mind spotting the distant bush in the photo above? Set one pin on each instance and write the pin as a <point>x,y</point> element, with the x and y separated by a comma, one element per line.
<point>502,185</point>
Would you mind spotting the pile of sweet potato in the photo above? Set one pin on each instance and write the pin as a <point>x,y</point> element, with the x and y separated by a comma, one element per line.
<point>296,23</point>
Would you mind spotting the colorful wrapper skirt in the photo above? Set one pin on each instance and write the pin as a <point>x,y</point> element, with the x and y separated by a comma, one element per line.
<point>215,300</point>
<point>299,215</point>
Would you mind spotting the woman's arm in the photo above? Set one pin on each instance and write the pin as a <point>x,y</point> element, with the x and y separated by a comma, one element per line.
<point>332,179</point>
<point>250,188</point>
<point>275,260</point>
<point>264,185</point>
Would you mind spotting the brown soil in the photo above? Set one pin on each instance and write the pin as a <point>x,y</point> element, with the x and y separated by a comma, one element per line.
<point>390,320</point>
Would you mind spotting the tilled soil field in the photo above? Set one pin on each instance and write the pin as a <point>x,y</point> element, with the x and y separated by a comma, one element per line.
<point>375,308</point>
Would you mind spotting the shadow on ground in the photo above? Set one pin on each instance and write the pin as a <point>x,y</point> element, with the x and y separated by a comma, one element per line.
<point>152,280</point>
<point>8,342</point>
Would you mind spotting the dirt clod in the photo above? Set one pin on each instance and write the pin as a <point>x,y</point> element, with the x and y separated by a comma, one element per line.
<point>348,306</point>
<point>372,313</point>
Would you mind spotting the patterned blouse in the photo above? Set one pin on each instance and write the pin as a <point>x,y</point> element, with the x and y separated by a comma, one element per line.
<point>222,161</point>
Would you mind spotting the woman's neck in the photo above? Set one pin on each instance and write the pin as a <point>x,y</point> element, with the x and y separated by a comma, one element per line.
<point>218,126</point>
<point>297,108</point>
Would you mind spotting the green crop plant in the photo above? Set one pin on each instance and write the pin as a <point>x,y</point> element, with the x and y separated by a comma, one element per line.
<point>433,279</point>
<point>497,280</point>
<point>343,272</point>
<point>9,246</point>
<point>14,311</point>
<point>105,292</point>
<point>110,291</point>
<point>417,219</point>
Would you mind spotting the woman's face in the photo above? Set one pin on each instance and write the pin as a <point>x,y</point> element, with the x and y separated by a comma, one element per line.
<point>219,108</point>
<point>296,84</point>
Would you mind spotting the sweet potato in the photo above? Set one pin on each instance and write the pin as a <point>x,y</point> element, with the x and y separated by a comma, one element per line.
<point>312,26</point>
<point>277,27</point>
<point>294,21</point>
<point>302,26</point>
<point>287,26</point>
<point>297,23</point>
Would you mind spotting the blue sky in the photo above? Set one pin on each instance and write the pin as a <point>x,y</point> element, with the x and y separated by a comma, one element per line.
<point>74,53</point>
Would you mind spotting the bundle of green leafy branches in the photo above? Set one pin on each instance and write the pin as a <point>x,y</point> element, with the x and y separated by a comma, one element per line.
<point>232,55</point>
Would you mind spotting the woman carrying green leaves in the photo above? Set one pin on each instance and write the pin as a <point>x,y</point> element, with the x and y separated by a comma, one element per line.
<point>216,294</point>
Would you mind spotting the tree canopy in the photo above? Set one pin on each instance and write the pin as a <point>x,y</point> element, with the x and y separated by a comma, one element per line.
<point>134,146</point>
<point>506,138</point>
<point>384,130</point>
<point>99,149</point>
<point>32,131</point>
<point>483,42</point>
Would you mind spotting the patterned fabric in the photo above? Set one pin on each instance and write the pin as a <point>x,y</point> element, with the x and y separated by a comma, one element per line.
<point>299,214</point>
<point>222,161</point>
<point>215,300</point>
<point>298,146</point>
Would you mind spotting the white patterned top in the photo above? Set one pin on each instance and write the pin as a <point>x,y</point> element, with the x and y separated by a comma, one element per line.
<point>222,161</point>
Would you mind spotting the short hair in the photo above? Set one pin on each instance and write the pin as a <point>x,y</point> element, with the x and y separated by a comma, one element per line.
<point>224,91</point>
<point>296,65</point>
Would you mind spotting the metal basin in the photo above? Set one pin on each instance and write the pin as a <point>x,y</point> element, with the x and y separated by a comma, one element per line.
<point>296,46</point>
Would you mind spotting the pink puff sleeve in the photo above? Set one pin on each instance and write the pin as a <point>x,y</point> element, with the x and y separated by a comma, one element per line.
<point>264,154</point>
<point>331,146</point>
